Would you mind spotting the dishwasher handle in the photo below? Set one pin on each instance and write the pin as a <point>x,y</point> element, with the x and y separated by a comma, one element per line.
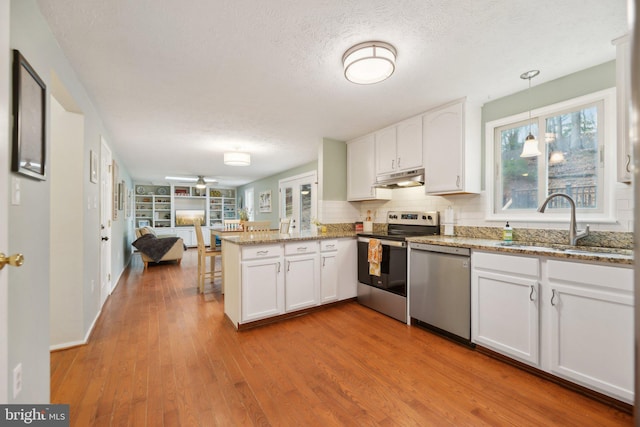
<point>440,249</point>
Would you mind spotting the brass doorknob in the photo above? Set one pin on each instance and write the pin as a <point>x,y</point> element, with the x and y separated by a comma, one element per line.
<point>15,260</point>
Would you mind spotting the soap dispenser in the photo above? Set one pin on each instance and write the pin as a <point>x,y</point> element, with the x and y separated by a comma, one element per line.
<point>507,233</point>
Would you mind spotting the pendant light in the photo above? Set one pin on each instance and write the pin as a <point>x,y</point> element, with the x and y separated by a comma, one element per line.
<point>530,147</point>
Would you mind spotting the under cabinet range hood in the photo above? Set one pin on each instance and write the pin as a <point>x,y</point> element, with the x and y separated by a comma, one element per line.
<point>404,179</point>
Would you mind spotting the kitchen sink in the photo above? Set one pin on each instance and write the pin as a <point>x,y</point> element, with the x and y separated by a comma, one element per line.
<point>577,250</point>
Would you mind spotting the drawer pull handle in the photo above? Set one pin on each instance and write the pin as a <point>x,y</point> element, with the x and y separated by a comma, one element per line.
<point>331,246</point>
<point>531,298</point>
<point>553,297</point>
<point>262,252</point>
<point>302,248</point>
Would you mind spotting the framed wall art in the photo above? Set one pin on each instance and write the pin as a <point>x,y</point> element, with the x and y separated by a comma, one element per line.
<point>265,201</point>
<point>29,149</point>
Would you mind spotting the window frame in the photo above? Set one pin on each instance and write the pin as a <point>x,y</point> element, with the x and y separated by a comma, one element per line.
<point>607,147</point>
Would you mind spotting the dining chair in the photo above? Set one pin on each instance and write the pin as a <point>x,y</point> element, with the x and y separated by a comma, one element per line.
<point>256,226</point>
<point>205,253</point>
<point>231,224</point>
<point>285,223</point>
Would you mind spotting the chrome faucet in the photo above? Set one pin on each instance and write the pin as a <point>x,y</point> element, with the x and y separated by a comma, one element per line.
<point>574,234</point>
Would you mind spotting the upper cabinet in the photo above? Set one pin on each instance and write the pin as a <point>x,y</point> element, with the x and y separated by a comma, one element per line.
<point>399,147</point>
<point>452,149</point>
<point>623,83</point>
<point>361,174</point>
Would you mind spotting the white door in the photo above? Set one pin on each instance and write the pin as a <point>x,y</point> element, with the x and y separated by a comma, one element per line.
<point>106,184</point>
<point>4,197</point>
<point>248,203</point>
<point>262,289</point>
<point>298,201</point>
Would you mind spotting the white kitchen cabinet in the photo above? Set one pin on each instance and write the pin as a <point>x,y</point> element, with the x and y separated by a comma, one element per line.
<point>302,275</point>
<point>347,268</point>
<point>504,301</point>
<point>188,235</point>
<point>262,288</point>
<point>361,174</point>
<point>385,143</point>
<point>328,271</point>
<point>452,149</point>
<point>623,83</point>
<point>591,326</point>
<point>399,147</point>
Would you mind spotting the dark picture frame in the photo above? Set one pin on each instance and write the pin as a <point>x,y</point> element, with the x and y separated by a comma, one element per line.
<point>28,155</point>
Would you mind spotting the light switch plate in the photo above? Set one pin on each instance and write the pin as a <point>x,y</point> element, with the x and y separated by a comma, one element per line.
<point>15,191</point>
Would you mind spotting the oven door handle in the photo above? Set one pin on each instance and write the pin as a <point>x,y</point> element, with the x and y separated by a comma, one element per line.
<point>394,243</point>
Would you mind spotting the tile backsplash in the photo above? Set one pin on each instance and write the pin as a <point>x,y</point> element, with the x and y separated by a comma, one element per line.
<point>470,210</point>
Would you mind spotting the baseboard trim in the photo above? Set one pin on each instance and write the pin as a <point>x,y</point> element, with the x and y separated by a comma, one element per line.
<point>261,322</point>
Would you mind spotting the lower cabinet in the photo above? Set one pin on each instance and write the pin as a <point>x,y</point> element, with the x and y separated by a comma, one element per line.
<point>328,271</point>
<point>302,275</point>
<point>591,326</point>
<point>504,299</point>
<point>262,286</point>
<point>267,280</point>
<point>571,319</point>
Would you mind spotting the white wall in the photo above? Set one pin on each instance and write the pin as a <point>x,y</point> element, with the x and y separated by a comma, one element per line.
<point>67,132</point>
<point>29,223</point>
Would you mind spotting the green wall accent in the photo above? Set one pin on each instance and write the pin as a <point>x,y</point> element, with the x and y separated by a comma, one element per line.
<point>333,166</point>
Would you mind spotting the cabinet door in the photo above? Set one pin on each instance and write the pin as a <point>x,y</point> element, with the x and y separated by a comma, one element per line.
<point>591,335</point>
<point>443,143</point>
<point>188,236</point>
<point>301,282</point>
<point>329,276</point>
<point>409,144</point>
<point>504,312</point>
<point>262,289</point>
<point>348,268</point>
<point>361,171</point>
<point>385,142</point>
<point>623,84</point>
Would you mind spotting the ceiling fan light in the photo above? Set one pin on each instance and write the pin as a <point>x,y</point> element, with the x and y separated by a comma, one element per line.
<point>235,158</point>
<point>530,147</point>
<point>200,183</point>
<point>369,62</point>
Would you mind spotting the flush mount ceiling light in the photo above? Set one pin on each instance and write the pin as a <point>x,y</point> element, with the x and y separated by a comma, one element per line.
<point>235,158</point>
<point>369,62</point>
<point>530,147</point>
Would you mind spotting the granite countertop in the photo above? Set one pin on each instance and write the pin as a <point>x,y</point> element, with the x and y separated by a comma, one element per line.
<point>587,253</point>
<point>261,238</point>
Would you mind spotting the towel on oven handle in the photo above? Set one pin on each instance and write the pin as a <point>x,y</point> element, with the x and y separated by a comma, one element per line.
<point>374,256</point>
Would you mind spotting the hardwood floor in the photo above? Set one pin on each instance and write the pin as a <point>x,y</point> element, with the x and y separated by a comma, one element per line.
<point>163,355</point>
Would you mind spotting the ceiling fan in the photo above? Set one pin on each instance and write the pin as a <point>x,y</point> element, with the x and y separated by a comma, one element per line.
<point>201,181</point>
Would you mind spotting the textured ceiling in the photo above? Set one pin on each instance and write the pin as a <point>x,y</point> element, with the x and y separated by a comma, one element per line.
<point>181,81</point>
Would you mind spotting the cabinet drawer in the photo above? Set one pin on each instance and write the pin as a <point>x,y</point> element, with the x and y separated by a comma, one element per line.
<point>262,251</point>
<point>303,247</point>
<point>612,277</point>
<point>328,245</point>
<point>521,265</point>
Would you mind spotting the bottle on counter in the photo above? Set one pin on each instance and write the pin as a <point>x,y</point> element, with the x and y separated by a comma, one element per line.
<point>507,233</point>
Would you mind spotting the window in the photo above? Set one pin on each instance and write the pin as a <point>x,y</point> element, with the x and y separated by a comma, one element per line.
<point>572,137</point>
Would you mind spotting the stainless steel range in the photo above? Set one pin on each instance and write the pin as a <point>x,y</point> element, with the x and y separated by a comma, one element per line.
<point>387,293</point>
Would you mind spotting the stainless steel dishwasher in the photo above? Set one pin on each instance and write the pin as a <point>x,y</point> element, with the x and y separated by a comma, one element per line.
<point>440,289</point>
